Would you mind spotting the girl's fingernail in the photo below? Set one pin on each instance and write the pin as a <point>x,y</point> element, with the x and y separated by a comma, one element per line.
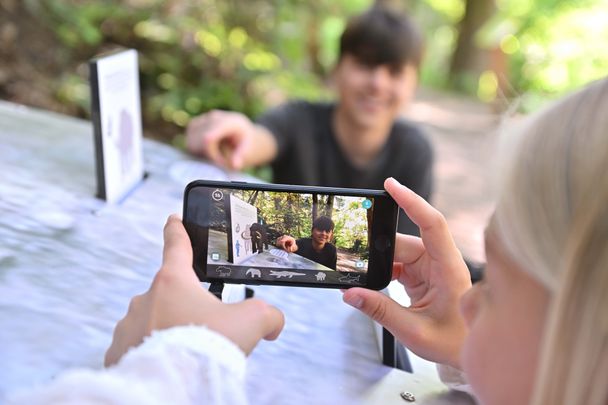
<point>354,301</point>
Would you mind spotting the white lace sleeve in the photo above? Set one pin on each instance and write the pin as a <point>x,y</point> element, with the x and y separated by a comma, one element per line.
<point>181,365</point>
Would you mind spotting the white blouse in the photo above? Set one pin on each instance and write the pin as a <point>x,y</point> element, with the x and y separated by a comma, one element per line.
<point>181,365</point>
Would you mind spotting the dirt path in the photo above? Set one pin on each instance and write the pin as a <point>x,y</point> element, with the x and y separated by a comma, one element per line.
<point>463,134</point>
<point>346,261</point>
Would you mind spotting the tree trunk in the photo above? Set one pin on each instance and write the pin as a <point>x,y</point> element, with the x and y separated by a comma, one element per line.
<point>313,45</point>
<point>253,197</point>
<point>468,58</point>
<point>329,207</point>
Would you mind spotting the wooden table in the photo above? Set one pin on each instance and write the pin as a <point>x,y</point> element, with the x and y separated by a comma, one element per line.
<point>69,265</point>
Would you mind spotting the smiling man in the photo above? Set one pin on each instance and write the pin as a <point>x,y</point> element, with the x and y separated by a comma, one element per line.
<point>357,141</point>
<point>318,247</point>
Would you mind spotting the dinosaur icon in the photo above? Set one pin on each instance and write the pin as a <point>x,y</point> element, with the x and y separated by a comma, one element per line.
<point>288,274</point>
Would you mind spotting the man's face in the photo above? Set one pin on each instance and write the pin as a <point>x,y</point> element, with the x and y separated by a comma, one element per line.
<point>321,237</point>
<point>371,96</point>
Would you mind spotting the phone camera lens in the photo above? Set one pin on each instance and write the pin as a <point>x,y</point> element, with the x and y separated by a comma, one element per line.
<point>382,243</point>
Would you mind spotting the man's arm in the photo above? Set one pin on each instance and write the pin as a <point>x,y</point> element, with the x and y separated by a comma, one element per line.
<point>287,243</point>
<point>230,139</point>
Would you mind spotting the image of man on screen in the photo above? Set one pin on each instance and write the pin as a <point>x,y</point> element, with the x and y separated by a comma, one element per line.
<point>318,247</point>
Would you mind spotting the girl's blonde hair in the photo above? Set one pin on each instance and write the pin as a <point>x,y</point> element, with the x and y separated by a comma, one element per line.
<point>552,218</point>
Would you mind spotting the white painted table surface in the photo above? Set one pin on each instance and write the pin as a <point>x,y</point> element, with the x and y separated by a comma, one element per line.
<point>69,265</point>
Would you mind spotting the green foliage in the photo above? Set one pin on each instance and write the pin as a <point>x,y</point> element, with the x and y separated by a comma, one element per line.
<point>351,225</point>
<point>553,46</point>
<point>203,55</point>
<point>452,10</point>
<point>283,214</point>
<point>292,214</point>
<point>438,21</point>
<point>246,55</point>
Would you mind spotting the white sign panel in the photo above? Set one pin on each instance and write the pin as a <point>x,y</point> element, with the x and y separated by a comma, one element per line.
<point>242,216</point>
<point>116,112</point>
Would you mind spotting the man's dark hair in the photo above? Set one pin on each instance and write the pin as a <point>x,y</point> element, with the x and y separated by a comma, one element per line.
<point>381,36</point>
<point>323,223</point>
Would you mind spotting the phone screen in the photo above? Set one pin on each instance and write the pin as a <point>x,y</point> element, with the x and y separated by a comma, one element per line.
<point>255,235</point>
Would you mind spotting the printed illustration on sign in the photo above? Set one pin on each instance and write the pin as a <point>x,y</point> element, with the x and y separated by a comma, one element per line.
<point>243,215</point>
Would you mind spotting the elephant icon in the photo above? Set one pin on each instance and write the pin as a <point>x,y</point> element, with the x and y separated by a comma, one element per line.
<point>320,276</point>
<point>253,273</point>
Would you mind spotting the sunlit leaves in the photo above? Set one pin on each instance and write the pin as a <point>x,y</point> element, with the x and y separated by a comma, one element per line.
<point>237,37</point>
<point>261,61</point>
<point>244,55</point>
<point>166,81</point>
<point>331,29</point>
<point>73,89</point>
<point>155,31</point>
<point>488,86</point>
<point>575,49</point>
<point>209,42</point>
<point>509,44</point>
<point>554,46</point>
<point>452,9</point>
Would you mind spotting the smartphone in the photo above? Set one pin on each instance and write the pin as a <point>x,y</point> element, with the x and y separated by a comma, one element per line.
<point>305,236</point>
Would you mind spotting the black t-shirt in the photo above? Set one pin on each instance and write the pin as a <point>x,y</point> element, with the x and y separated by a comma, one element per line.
<point>309,154</point>
<point>327,256</point>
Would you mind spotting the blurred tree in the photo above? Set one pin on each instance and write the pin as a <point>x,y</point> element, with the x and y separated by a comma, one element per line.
<point>246,54</point>
<point>552,46</point>
<point>468,59</point>
<point>194,56</point>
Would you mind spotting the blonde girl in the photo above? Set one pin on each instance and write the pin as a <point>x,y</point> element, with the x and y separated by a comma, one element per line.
<point>535,331</point>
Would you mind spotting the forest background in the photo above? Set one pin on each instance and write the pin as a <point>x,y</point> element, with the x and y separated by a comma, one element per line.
<point>246,55</point>
<point>293,214</point>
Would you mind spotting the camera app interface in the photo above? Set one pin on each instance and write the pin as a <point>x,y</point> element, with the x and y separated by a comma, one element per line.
<point>278,236</point>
